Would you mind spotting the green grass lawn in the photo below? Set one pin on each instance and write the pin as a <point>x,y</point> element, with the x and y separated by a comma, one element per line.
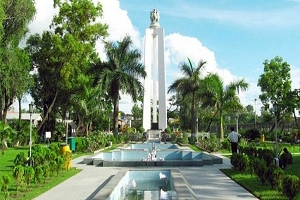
<point>7,166</point>
<point>253,185</point>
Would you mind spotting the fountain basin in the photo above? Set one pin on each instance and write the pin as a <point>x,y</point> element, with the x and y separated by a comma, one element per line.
<point>146,184</point>
<point>152,154</point>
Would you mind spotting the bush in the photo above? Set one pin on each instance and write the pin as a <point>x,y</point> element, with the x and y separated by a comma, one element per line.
<point>252,134</point>
<point>240,162</point>
<point>141,129</point>
<point>249,150</point>
<point>261,171</point>
<point>290,186</point>
<point>274,175</point>
<point>211,144</point>
<point>226,145</point>
<point>268,156</point>
<point>168,130</point>
<point>20,159</point>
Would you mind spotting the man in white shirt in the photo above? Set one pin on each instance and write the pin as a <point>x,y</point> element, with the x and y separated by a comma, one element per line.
<point>233,137</point>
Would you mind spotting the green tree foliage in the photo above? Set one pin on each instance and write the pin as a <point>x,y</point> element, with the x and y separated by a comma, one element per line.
<point>63,57</point>
<point>189,87</point>
<point>120,73</point>
<point>222,97</point>
<point>275,84</point>
<point>15,15</point>
<point>90,104</point>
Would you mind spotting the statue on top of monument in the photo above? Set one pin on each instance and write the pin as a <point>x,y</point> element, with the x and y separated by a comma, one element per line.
<point>154,17</point>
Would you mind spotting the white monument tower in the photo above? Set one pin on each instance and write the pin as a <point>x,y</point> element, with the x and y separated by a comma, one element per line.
<point>155,81</point>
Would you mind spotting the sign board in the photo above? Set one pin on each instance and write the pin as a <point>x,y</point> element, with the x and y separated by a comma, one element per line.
<point>48,135</point>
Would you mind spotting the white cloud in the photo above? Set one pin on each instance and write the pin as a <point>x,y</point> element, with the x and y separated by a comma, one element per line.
<point>177,47</point>
<point>119,24</point>
<point>43,17</point>
<point>295,74</point>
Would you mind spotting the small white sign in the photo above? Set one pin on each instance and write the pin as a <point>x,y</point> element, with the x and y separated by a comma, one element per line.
<point>48,135</point>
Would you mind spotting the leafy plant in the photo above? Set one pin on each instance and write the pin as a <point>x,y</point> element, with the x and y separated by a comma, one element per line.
<point>38,174</point>
<point>5,182</point>
<point>261,170</point>
<point>18,176</point>
<point>290,186</point>
<point>28,175</point>
<point>20,159</point>
<point>274,175</point>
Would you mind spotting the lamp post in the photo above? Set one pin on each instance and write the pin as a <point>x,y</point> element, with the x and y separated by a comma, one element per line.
<point>67,116</point>
<point>255,113</point>
<point>30,130</point>
<point>275,109</point>
<point>237,121</point>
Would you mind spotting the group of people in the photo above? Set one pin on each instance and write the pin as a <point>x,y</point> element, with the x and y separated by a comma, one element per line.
<point>284,159</point>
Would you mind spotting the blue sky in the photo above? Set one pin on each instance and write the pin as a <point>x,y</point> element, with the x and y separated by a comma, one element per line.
<point>233,36</point>
<point>241,34</point>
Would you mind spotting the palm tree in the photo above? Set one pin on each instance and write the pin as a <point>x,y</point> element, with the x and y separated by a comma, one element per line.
<point>189,86</point>
<point>120,73</point>
<point>221,97</point>
<point>89,104</point>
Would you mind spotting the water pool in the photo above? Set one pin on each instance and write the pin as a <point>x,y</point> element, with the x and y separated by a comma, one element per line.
<point>141,184</point>
<point>152,154</point>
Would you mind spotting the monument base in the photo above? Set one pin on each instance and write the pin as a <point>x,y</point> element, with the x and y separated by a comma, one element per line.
<point>154,135</point>
<point>154,126</point>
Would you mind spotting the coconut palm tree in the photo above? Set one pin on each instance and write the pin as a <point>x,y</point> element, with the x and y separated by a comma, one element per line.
<point>221,97</point>
<point>89,104</point>
<point>189,86</point>
<point>120,73</point>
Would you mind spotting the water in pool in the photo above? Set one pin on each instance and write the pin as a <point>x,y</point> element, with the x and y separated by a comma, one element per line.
<point>146,185</point>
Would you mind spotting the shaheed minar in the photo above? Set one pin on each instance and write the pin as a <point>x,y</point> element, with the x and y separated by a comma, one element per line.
<point>155,81</point>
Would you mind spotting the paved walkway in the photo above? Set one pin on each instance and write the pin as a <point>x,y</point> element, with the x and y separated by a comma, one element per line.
<point>207,182</point>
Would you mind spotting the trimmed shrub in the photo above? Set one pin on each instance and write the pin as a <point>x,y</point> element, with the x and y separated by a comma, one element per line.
<point>250,151</point>
<point>252,134</point>
<point>226,145</point>
<point>268,156</point>
<point>290,186</point>
<point>274,175</point>
<point>239,162</point>
<point>261,171</point>
<point>20,159</point>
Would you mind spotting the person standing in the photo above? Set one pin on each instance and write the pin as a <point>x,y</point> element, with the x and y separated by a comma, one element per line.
<point>233,137</point>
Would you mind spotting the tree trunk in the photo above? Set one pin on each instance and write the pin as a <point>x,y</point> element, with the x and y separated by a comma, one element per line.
<point>221,127</point>
<point>116,115</point>
<point>20,110</point>
<point>47,113</point>
<point>193,116</point>
<point>295,118</point>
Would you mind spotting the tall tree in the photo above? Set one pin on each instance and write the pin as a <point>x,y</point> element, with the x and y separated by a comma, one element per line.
<point>89,105</point>
<point>275,84</point>
<point>188,86</point>
<point>120,73</point>
<point>64,56</point>
<point>221,97</point>
<point>15,15</point>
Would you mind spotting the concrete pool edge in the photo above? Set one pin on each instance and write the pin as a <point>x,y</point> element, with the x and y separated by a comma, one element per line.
<point>182,188</point>
<point>208,159</point>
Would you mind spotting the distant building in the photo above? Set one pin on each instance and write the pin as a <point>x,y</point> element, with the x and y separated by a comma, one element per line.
<point>35,117</point>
